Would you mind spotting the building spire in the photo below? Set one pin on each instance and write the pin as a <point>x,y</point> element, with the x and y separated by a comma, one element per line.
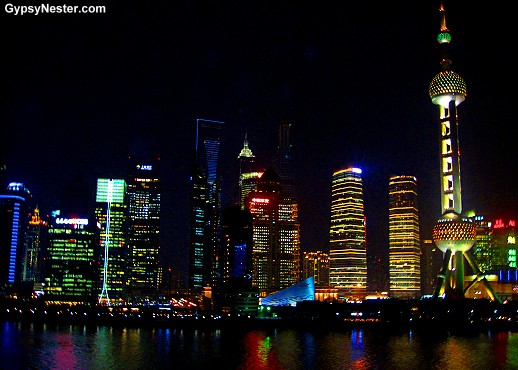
<point>443,18</point>
<point>246,152</point>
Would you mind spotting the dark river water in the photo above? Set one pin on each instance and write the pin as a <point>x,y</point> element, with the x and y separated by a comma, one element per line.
<point>45,346</point>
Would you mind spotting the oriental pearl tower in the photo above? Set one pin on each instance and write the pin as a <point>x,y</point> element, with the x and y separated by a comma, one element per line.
<point>453,234</point>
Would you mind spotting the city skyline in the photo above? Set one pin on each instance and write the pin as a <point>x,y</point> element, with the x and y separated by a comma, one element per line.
<point>84,90</point>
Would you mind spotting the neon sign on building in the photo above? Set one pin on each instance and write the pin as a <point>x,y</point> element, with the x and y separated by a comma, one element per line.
<point>260,200</point>
<point>71,221</point>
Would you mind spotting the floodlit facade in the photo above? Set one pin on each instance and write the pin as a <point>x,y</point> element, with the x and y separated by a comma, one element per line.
<point>143,192</point>
<point>347,246</point>
<point>404,244</point>
<point>111,215</point>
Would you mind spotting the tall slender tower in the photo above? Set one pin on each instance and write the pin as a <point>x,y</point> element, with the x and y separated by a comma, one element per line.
<point>347,247</point>
<point>453,234</point>
<point>404,246</point>
<point>205,221</point>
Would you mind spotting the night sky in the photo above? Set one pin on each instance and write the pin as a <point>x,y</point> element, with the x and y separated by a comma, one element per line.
<point>82,92</point>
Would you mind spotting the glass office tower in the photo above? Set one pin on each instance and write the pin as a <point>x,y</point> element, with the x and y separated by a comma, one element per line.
<point>347,247</point>
<point>404,244</point>
<point>276,236</point>
<point>205,219</point>
<point>143,192</point>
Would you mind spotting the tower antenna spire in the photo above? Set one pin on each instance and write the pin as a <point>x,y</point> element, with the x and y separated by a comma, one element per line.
<point>443,18</point>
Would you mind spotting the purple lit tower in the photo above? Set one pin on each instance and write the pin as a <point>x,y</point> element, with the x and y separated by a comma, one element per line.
<point>453,234</point>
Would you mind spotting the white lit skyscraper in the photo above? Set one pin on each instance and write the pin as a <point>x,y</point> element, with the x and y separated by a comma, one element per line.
<point>404,244</point>
<point>347,247</point>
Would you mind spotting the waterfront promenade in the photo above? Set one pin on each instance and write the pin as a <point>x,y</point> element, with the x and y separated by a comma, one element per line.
<point>458,314</point>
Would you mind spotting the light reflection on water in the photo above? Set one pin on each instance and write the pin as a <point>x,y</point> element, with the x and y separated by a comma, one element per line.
<point>41,346</point>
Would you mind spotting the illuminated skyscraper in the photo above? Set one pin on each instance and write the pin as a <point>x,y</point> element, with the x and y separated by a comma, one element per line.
<point>71,268</point>
<point>111,215</point>
<point>237,244</point>
<point>404,248</point>
<point>276,236</point>
<point>143,192</point>
<point>316,264</point>
<point>205,220</point>
<point>482,249</point>
<point>34,242</point>
<point>248,176</point>
<point>347,246</point>
<point>503,245</point>
<point>13,224</point>
<point>453,234</point>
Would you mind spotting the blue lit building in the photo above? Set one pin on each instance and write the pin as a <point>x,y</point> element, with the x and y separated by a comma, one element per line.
<point>13,224</point>
<point>302,291</point>
<point>205,217</point>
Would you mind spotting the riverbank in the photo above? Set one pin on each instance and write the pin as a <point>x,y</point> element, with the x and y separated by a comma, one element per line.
<point>462,315</point>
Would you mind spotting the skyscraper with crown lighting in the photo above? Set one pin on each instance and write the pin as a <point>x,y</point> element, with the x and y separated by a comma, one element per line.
<point>248,174</point>
<point>347,245</point>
